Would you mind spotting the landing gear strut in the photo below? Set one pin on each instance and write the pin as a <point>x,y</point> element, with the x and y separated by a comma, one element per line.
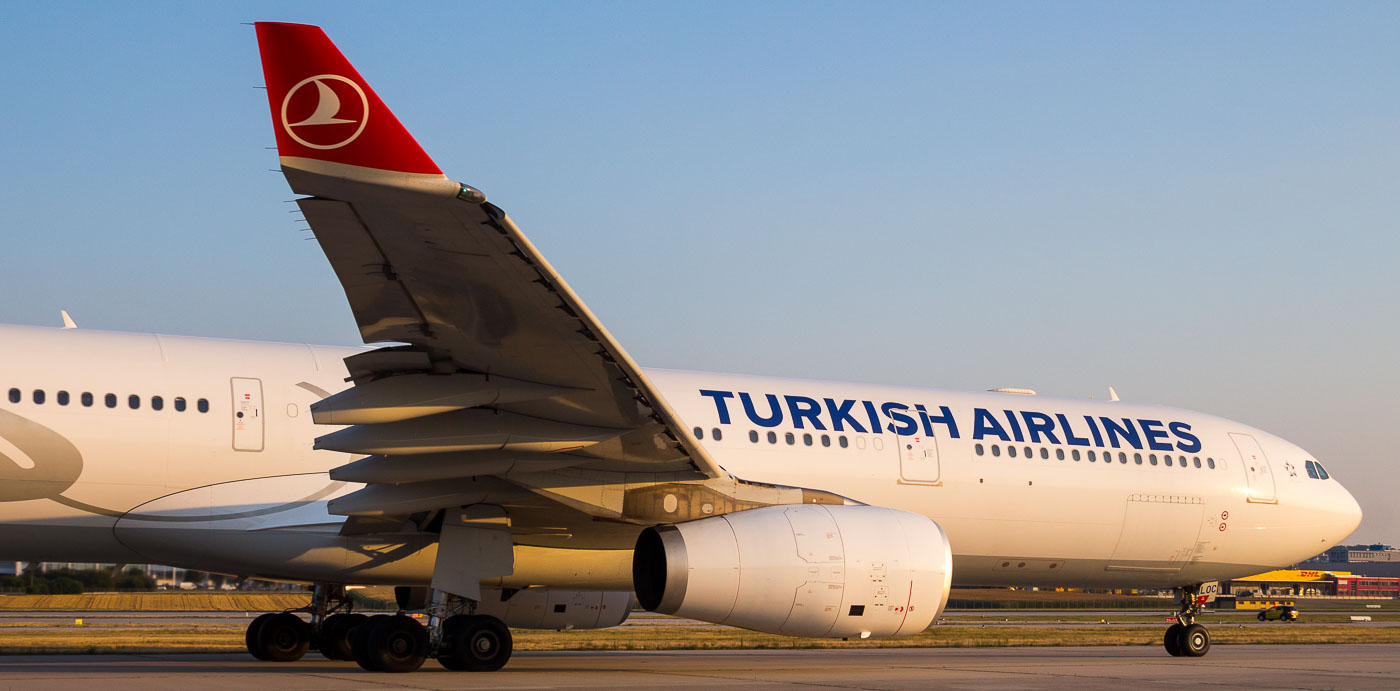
<point>285,637</point>
<point>459,638</point>
<point>1186,638</point>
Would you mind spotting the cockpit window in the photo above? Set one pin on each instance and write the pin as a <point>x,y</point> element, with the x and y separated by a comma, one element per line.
<point>1322,471</point>
<point>1312,470</point>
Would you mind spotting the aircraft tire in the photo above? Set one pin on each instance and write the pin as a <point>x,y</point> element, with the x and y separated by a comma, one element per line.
<point>1195,641</point>
<point>475,643</point>
<point>335,635</point>
<point>359,643</point>
<point>1172,640</point>
<point>397,644</point>
<point>250,637</point>
<point>1262,617</point>
<point>284,637</point>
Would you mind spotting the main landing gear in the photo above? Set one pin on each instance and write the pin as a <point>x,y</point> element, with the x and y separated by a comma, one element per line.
<point>456,637</point>
<point>285,637</point>
<point>1186,638</point>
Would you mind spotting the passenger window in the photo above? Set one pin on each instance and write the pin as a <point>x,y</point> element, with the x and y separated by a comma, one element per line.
<point>978,448</point>
<point>1154,461</point>
<point>1210,463</point>
<point>157,402</point>
<point>716,434</point>
<point>790,438</point>
<point>1074,454</point>
<point>807,440</point>
<point>996,450</point>
<point>1312,470</point>
<point>1028,453</point>
<point>15,395</point>
<point>1092,456</point>
<point>1151,457</point>
<point>110,399</point>
<point>202,405</point>
<point>133,401</point>
<point>1122,457</point>
<point>1060,454</point>
<point>180,404</point>
<point>1138,460</point>
<point>38,395</point>
<point>826,440</point>
<point>1167,460</point>
<point>1011,451</point>
<point>1044,452</point>
<point>753,436</point>
<point>87,399</point>
<point>842,440</point>
<point>699,433</point>
<point>1196,461</point>
<point>772,437</point>
<point>62,398</point>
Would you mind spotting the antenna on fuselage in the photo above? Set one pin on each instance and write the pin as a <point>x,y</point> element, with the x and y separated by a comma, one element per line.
<point>1112,395</point>
<point>67,320</point>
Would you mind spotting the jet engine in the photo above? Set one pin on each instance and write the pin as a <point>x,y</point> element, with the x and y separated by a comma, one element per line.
<point>800,570</point>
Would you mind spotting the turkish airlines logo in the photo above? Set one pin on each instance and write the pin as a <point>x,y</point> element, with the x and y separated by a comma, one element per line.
<point>328,116</point>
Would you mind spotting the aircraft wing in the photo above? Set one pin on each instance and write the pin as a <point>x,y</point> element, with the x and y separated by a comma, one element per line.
<point>500,368</point>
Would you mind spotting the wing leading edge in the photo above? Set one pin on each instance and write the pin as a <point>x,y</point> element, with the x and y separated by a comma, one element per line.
<point>504,370</point>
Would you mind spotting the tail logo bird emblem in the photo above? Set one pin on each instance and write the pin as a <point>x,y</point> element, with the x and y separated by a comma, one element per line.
<point>329,116</point>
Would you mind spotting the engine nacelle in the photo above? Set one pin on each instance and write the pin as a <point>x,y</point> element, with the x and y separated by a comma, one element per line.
<point>800,570</point>
<point>547,608</point>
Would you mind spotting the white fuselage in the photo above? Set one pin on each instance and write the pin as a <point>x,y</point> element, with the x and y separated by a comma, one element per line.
<point>90,471</point>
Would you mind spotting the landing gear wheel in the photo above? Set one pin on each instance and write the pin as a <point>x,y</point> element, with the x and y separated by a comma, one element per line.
<point>476,643</point>
<point>397,644</point>
<point>335,635</point>
<point>1172,640</point>
<point>359,643</point>
<point>1262,617</point>
<point>1195,641</point>
<point>250,637</point>
<point>284,638</point>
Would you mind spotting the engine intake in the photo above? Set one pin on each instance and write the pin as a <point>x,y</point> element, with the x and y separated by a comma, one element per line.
<point>801,570</point>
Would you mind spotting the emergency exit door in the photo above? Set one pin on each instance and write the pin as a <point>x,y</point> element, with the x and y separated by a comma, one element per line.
<point>1256,469</point>
<point>247,414</point>
<point>918,460</point>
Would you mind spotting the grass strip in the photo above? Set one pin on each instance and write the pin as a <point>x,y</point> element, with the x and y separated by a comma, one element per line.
<point>212,639</point>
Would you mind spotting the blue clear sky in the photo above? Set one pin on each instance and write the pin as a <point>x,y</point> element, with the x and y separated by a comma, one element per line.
<point>1193,202</point>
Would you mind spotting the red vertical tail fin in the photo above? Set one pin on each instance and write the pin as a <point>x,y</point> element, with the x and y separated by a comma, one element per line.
<point>322,109</point>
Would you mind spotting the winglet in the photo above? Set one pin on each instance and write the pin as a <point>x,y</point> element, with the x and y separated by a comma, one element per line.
<point>67,320</point>
<point>322,109</point>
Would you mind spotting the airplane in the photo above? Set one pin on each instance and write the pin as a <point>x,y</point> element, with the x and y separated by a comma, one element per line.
<point>500,459</point>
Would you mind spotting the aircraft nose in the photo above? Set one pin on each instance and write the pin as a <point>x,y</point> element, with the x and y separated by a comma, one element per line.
<point>1348,514</point>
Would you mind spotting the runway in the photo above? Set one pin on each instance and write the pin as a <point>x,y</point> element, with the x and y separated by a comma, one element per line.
<point>1279,667</point>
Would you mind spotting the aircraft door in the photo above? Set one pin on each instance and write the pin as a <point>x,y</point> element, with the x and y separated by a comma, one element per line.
<point>1256,469</point>
<point>918,461</point>
<point>247,414</point>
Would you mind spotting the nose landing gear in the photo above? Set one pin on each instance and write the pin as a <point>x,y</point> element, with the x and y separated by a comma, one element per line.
<point>1186,638</point>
